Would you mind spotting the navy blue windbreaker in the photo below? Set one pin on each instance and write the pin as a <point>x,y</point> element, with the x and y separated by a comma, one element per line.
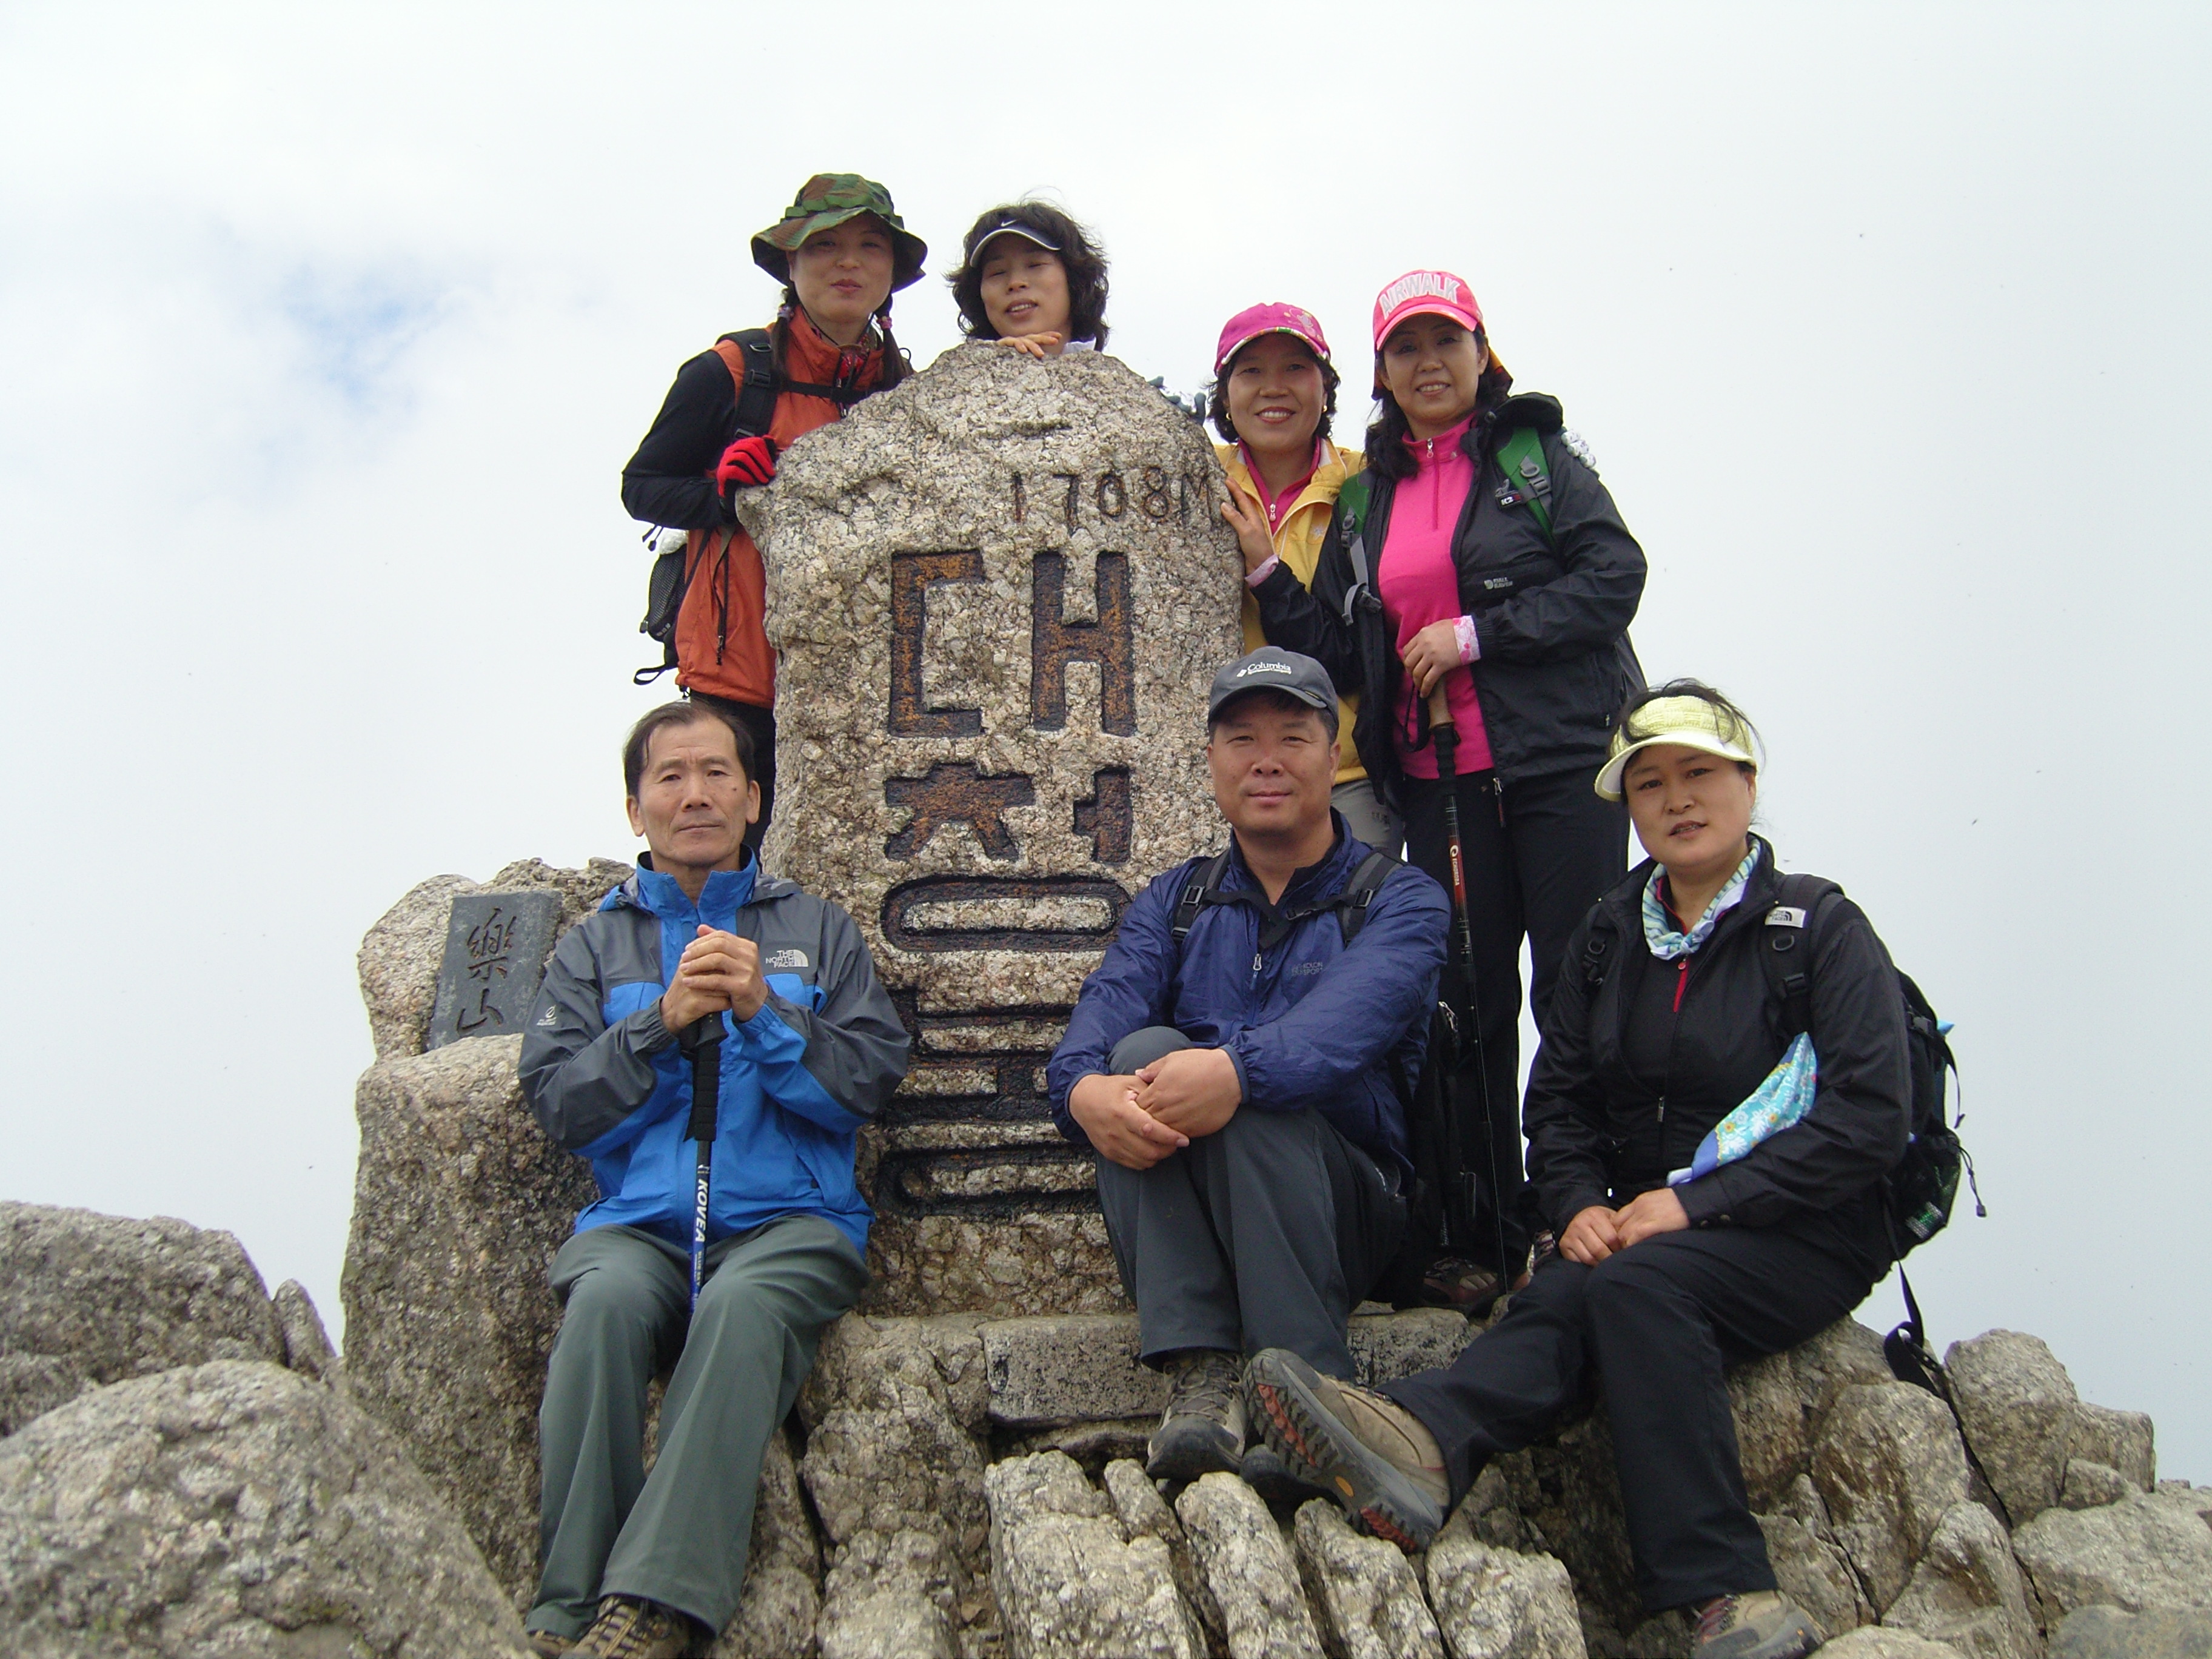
<point>1308,1023</point>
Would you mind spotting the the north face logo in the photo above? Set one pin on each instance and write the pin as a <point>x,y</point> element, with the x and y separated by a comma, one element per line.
<point>784,959</point>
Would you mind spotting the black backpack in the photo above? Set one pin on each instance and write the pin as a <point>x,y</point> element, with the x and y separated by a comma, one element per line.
<point>1921,1194</point>
<point>758,390</point>
<point>1204,888</point>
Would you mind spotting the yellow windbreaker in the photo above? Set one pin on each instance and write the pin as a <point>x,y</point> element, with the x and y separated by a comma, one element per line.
<point>1297,544</point>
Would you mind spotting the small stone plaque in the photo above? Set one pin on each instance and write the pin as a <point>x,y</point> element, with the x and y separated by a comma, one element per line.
<point>495,949</point>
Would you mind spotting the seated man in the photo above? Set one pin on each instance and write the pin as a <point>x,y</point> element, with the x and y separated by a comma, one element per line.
<point>1240,1064</point>
<point>732,1291</point>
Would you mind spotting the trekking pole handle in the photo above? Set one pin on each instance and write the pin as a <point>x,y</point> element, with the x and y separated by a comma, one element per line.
<point>703,1041</point>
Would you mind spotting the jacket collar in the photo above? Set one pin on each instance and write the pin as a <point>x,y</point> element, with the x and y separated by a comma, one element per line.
<point>1626,899</point>
<point>1337,463</point>
<point>813,358</point>
<point>1308,883</point>
<point>658,895</point>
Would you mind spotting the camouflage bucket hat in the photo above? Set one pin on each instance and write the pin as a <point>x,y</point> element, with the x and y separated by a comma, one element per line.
<point>826,200</point>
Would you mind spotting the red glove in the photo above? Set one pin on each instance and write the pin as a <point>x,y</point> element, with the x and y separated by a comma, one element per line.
<point>748,462</point>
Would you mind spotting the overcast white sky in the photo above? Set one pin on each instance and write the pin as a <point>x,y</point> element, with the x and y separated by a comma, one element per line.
<point>327,331</point>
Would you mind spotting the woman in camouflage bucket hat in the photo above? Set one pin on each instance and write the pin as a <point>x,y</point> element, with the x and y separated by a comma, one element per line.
<point>841,252</point>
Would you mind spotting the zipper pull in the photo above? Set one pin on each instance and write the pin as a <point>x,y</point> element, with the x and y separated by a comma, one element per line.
<point>1662,1109</point>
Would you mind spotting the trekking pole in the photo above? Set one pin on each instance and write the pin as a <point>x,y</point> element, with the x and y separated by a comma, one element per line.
<point>1446,740</point>
<point>703,1041</point>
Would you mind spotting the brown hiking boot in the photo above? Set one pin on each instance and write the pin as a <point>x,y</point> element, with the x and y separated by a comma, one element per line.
<point>1369,1453</point>
<point>628,1628</point>
<point>1756,1625</point>
<point>546,1645</point>
<point>1202,1429</point>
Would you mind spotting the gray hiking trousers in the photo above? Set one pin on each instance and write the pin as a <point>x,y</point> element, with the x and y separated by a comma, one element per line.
<point>679,1536</point>
<point>1265,1234</point>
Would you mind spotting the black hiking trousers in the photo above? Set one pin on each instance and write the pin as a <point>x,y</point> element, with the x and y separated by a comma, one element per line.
<point>1655,1326</point>
<point>1539,853</point>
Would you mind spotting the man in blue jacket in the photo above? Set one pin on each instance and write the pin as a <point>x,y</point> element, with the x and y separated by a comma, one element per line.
<point>701,940</point>
<point>1240,1064</point>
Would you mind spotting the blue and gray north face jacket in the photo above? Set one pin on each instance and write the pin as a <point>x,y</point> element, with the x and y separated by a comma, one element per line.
<point>823,1053</point>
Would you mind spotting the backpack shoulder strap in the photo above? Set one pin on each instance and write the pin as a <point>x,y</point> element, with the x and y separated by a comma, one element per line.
<point>1352,502</point>
<point>751,357</point>
<point>1205,881</point>
<point>1360,892</point>
<point>1528,477</point>
<point>1787,951</point>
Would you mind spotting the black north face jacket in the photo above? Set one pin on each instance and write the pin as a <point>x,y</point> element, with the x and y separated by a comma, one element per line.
<point>1556,664</point>
<point>1628,1082</point>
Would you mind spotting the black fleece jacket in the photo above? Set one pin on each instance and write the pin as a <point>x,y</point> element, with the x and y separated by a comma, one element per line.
<point>1626,1086</point>
<point>1552,615</point>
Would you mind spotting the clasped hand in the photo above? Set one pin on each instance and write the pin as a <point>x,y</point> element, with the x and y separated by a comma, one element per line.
<point>1598,1232</point>
<point>717,970</point>
<point>1137,1120</point>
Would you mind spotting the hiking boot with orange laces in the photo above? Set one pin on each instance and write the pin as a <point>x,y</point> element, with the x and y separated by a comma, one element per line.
<point>628,1628</point>
<point>1369,1453</point>
<point>1756,1625</point>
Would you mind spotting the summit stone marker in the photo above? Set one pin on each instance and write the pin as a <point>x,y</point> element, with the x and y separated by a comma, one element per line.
<point>1001,591</point>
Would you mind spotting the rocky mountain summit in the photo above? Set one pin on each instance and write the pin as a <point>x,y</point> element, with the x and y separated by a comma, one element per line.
<point>982,760</point>
<point>188,1468</point>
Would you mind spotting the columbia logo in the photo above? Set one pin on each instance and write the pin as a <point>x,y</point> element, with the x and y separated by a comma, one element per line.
<point>1251,668</point>
<point>784,959</point>
<point>1433,283</point>
<point>550,1017</point>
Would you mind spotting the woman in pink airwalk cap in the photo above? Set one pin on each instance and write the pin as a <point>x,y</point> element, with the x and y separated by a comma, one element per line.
<point>1478,568</point>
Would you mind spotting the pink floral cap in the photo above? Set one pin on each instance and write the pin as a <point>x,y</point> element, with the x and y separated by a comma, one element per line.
<point>1273,317</point>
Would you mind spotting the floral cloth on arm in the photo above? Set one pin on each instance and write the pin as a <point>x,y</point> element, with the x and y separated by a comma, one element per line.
<point>1784,1096</point>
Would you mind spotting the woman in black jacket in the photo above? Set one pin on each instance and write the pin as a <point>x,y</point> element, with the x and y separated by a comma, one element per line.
<point>1665,1023</point>
<point>1509,599</point>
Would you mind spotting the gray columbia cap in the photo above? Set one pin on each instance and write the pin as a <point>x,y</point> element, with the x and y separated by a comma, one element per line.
<point>1270,668</point>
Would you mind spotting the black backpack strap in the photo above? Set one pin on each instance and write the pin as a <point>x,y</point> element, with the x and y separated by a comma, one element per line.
<point>758,390</point>
<point>843,396</point>
<point>1788,956</point>
<point>1351,905</point>
<point>1205,881</point>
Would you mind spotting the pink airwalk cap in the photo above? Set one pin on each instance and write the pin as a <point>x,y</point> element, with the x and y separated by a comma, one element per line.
<point>1273,317</point>
<point>1422,292</point>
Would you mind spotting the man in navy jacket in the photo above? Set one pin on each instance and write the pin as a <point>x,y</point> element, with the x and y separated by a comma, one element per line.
<point>1244,1087</point>
<point>649,1566</point>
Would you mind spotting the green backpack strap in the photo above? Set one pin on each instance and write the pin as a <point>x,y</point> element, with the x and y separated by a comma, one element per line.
<point>1351,521</point>
<point>1521,457</point>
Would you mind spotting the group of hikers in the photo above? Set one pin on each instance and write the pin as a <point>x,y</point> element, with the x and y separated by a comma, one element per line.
<point>1437,666</point>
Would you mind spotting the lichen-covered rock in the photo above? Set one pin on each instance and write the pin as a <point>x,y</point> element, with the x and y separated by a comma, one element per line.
<point>1248,1570</point>
<point>2121,1441</point>
<point>2108,1632</point>
<point>1567,1494</point>
<point>1031,558</point>
<point>87,1299</point>
<point>233,1508</point>
<point>1874,1642</point>
<point>2090,1486</point>
<point>894,1465</point>
<point>889,1595</point>
<point>1968,1590</point>
<point>782,1596</point>
<point>2149,1549</point>
<point>1144,1513</point>
<point>1366,1598</point>
<point>1070,1583</point>
<point>307,1347</point>
<point>2018,1408</point>
<point>1499,1604</point>
<point>1810,1566</point>
<point>460,1205</point>
<point>400,954</point>
<point>1767,1403</point>
<point>1889,1466</point>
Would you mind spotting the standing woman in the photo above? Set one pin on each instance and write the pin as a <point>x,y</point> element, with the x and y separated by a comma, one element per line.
<point>1032,278</point>
<point>841,252</point>
<point>1273,397</point>
<point>1512,594</point>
